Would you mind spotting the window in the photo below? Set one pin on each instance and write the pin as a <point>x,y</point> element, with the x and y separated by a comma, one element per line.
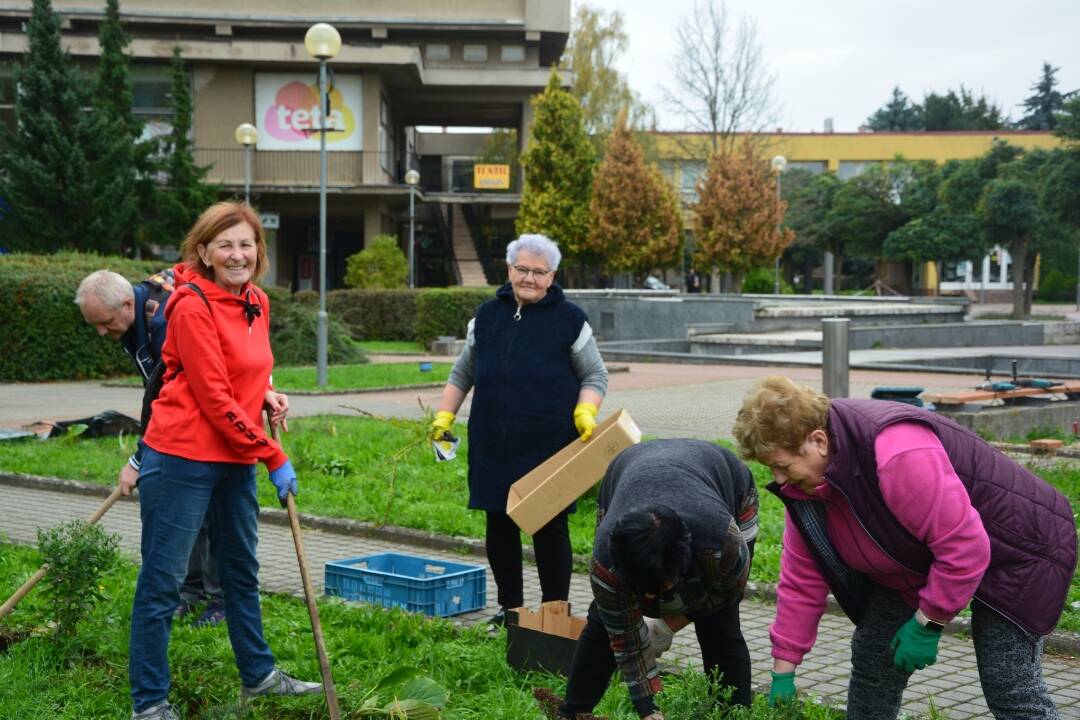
<point>692,170</point>
<point>853,168</point>
<point>512,53</point>
<point>386,136</point>
<point>815,166</point>
<point>437,52</point>
<point>151,90</point>
<point>475,53</point>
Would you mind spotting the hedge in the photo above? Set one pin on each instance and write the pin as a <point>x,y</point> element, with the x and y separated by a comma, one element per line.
<point>374,314</point>
<point>43,334</point>
<point>447,311</point>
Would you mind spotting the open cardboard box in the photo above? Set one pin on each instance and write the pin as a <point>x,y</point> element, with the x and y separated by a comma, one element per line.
<point>542,639</point>
<point>564,477</point>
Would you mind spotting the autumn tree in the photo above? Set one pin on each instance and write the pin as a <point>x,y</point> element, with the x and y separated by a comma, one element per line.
<point>720,83</point>
<point>636,218</point>
<point>558,164</point>
<point>737,216</point>
<point>597,41</point>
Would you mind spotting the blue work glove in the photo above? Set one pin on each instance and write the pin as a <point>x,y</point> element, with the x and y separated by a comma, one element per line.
<point>284,479</point>
<point>782,689</point>
<point>914,647</point>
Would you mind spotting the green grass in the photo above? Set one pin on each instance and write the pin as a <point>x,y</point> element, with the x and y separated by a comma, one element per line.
<point>87,680</point>
<point>341,378</point>
<point>383,471</point>
<point>344,378</point>
<point>391,347</point>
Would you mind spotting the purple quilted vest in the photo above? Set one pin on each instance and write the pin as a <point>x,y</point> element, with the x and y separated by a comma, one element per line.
<point>1031,526</point>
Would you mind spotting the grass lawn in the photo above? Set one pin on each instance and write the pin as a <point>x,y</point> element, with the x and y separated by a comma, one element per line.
<point>41,677</point>
<point>341,378</point>
<point>384,471</point>
<point>391,347</point>
<point>344,378</point>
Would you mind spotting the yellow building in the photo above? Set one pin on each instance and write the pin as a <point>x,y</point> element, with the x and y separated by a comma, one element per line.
<point>847,155</point>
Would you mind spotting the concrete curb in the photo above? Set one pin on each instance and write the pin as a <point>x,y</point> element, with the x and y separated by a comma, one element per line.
<point>1059,641</point>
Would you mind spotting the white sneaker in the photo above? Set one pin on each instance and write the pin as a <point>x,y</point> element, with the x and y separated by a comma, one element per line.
<point>161,711</point>
<point>278,683</point>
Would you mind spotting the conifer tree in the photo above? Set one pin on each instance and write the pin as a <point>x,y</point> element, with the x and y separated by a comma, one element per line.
<point>46,174</point>
<point>558,165</point>
<point>186,193</point>
<point>737,216</point>
<point>116,169</point>
<point>636,220</point>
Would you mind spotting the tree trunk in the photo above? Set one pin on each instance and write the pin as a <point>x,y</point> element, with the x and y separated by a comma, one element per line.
<point>1029,284</point>
<point>1018,256</point>
<point>838,265</point>
<point>736,281</point>
<point>808,273</point>
<point>714,286</point>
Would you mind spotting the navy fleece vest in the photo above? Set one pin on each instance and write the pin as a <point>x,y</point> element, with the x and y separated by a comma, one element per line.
<point>1030,524</point>
<point>524,391</point>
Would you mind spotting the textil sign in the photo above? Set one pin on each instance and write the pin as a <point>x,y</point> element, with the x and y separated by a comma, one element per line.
<point>288,116</point>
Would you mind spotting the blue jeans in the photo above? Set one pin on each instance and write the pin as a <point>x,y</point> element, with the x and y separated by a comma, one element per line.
<point>174,496</point>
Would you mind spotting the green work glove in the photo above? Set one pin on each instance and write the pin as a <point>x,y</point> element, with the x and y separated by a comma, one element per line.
<point>782,689</point>
<point>444,420</point>
<point>585,419</point>
<point>914,647</point>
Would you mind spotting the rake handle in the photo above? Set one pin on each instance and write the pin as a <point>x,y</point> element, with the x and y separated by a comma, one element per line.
<point>309,596</point>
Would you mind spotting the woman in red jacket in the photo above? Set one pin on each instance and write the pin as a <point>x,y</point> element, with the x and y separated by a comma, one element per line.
<point>204,439</point>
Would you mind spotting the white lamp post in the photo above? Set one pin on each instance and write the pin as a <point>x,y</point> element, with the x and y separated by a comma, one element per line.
<point>411,178</point>
<point>322,42</point>
<point>779,165</point>
<point>247,135</point>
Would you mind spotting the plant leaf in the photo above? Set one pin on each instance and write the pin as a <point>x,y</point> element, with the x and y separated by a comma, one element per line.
<point>425,690</point>
<point>396,677</point>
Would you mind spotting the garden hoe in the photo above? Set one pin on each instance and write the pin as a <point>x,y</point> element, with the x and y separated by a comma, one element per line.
<point>36,577</point>
<point>309,596</point>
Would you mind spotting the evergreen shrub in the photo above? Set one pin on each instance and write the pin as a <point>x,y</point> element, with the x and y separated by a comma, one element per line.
<point>44,335</point>
<point>375,314</point>
<point>1056,285</point>
<point>447,311</point>
<point>293,337</point>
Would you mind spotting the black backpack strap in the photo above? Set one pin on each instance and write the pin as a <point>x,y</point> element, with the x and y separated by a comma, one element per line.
<point>157,377</point>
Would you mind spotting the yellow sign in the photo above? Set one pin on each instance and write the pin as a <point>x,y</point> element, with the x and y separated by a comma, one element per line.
<point>491,177</point>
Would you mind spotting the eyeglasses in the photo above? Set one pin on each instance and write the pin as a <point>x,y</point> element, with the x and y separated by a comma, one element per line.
<point>526,272</point>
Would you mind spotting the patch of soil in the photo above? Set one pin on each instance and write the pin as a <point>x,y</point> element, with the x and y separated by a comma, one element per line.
<point>10,637</point>
<point>549,704</point>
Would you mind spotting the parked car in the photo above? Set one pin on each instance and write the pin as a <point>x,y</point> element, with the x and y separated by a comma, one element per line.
<point>654,283</point>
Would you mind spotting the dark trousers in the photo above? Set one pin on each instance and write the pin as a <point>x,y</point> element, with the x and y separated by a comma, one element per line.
<point>554,558</point>
<point>1009,662</point>
<point>201,583</point>
<point>723,651</point>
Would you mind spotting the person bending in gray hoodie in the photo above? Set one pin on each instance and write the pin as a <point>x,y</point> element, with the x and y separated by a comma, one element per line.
<point>675,528</point>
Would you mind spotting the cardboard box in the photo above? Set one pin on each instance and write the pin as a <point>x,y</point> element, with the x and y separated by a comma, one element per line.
<point>564,477</point>
<point>544,639</point>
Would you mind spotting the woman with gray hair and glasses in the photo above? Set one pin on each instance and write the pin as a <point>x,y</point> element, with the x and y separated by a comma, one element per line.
<point>537,381</point>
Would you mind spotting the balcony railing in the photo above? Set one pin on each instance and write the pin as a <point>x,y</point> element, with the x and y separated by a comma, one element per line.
<point>298,168</point>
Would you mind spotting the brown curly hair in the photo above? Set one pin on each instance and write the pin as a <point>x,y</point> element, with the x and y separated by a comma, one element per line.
<point>778,414</point>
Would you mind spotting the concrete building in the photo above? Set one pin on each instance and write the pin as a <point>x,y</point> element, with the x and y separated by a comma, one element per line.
<point>403,64</point>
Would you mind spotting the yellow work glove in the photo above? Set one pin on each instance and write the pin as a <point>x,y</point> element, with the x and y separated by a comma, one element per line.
<point>585,419</point>
<point>444,420</point>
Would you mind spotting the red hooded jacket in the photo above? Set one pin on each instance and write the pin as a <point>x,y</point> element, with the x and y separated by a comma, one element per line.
<point>218,364</point>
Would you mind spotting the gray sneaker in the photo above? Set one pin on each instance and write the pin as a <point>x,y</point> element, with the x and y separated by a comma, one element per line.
<point>161,711</point>
<point>278,683</point>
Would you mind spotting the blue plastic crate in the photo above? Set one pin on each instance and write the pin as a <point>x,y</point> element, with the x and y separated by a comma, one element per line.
<point>417,584</point>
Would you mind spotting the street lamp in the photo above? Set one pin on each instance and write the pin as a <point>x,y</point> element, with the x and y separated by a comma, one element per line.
<point>247,135</point>
<point>322,42</point>
<point>411,178</point>
<point>779,165</point>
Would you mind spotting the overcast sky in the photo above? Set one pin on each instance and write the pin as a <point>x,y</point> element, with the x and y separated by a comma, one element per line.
<point>841,58</point>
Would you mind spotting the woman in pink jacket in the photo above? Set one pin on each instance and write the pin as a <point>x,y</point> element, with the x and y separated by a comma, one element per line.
<point>907,518</point>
